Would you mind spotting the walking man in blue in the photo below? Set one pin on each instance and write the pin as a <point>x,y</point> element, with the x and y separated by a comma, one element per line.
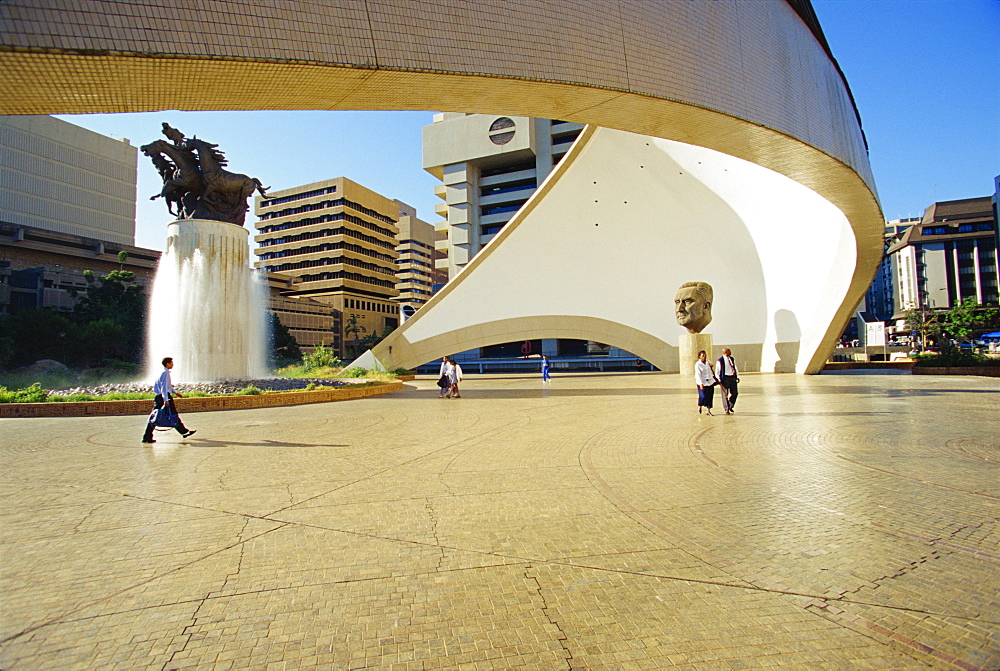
<point>164,390</point>
<point>545,369</point>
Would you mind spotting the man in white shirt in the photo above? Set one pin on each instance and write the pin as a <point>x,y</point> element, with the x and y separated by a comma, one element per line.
<point>164,390</point>
<point>725,370</point>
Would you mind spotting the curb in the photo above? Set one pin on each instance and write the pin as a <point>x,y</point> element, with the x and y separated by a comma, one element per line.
<point>868,365</point>
<point>982,371</point>
<point>205,404</point>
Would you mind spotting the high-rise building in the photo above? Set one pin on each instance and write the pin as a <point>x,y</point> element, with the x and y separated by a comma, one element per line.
<point>880,299</point>
<point>489,166</point>
<point>60,177</point>
<point>337,240</point>
<point>418,275</point>
<point>949,256</point>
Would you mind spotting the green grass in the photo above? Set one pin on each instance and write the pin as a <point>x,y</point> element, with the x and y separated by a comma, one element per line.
<point>35,393</point>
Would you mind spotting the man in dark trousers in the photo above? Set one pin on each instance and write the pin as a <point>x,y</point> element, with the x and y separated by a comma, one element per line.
<point>725,370</point>
<point>164,390</point>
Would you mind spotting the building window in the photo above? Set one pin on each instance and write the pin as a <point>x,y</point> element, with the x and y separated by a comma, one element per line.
<point>502,131</point>
<point>501,209</point>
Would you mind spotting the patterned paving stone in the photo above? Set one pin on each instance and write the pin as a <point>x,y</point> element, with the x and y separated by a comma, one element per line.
<point>598,522</point>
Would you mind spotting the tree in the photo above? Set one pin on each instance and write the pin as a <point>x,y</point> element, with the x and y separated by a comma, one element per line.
<point>351,325</point>
<point>40,334</point>
<point>113,314</point>
<point>964,319</point>
<point>283,343</point>
<point>924,323</point>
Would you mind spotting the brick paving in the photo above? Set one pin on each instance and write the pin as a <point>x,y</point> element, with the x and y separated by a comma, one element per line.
<point>834,522</point>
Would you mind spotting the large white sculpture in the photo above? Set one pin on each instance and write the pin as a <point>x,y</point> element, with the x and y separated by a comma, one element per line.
<point>600,249</point>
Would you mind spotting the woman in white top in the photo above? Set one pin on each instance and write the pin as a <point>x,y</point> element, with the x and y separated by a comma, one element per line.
<point>444,382</point>
<point>705,378</point>
<point>455,375</point>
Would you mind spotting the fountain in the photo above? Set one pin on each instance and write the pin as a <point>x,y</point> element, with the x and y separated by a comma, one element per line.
<point>208,309</point>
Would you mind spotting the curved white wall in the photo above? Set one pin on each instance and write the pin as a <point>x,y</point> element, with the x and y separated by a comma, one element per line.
<point>627,220</point>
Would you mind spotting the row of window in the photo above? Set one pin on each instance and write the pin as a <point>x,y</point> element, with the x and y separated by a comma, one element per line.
<point>369,306</point>
<point>501,209</point>
<point>340,202</point>
<point>412,262</point>
<point>343,275</point>
<point>299,196</point>
<point>330,246</point>
<point>416,243</point>
<point>340,216</point>
<point>962,228</point>
<point>328,261</point>
<point>519,185</point>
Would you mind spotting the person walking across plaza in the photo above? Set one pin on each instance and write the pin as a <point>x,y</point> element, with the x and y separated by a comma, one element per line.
<point>704,377</point>
<point>164,390</point>
<point>455,375</point>
<point>444,382</point>
<point>545,369</point>
<point>728,375</point>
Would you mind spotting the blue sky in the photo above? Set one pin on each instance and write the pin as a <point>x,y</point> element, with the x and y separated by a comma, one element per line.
<point>925,75</point>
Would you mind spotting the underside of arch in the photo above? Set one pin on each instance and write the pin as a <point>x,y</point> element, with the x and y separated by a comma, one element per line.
<point>751,80</point>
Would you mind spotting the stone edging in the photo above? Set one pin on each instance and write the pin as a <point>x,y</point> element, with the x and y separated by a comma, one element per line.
<point>982,371</point>
<point>185,405</point>
<point>868,365</point>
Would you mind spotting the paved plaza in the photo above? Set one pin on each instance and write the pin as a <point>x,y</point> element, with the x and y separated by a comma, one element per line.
<point>841,521</point>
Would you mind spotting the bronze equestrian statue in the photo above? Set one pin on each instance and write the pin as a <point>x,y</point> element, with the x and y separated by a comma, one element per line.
<point>195,185</point>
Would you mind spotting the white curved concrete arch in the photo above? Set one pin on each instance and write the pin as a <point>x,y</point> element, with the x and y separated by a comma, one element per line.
<point>752,80</point>
<point>601,248</point>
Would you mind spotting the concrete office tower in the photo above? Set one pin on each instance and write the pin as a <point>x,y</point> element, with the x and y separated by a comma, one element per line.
<point>489,166</point>
<point>337,239</point>
<point>60,177</point>
<point>417,275</point>
<point>951,255</point>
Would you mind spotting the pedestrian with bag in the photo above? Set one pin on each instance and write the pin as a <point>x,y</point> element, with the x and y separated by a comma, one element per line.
<point>164,413</point>
<point>444,382</point>
<point>705,378</point>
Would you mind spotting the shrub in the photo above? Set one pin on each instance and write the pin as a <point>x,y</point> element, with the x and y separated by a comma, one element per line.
<point>400,371</point>
<point>321,357</point>
<point>354,371</point>
<point>32,394</point>
<point>249,390</point>
<point>951,358</point>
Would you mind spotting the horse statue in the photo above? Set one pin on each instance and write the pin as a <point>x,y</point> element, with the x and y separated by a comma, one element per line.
<point>226,191</point>
<point>182,182</point>
<point>194,179</point>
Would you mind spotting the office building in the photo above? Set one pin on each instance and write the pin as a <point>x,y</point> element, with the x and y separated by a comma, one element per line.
<point>489,166</point>
<point>67,205</point>
<point>950,256</point>
<point>418,276</point>
<point>337,240</point>
<point>60,177</point>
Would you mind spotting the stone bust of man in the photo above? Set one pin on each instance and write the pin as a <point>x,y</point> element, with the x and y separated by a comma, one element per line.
<point>693,306</point>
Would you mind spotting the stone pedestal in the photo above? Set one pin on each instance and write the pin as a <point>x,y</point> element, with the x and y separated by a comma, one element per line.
<point>688,346</point>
